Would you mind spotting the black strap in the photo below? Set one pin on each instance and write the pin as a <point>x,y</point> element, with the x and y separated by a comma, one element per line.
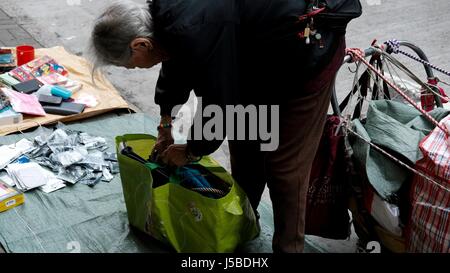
<point>363,82</point>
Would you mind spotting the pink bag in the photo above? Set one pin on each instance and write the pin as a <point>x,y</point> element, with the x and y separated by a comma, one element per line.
<point>25,104</point>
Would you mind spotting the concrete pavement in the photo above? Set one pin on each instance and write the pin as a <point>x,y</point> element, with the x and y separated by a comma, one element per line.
<point>12,34</point>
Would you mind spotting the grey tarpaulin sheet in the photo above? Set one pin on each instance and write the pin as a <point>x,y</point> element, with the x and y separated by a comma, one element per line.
<point>95,219</point>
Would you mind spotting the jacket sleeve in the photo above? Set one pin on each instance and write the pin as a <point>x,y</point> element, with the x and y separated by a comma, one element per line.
<point>172,88</point>
<point>216,55</point>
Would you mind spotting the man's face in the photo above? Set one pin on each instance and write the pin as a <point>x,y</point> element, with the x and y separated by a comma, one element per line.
<point>143,54</point>
<point>141,59</point>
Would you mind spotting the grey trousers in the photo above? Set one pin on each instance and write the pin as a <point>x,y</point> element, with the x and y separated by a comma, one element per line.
<point>287,169</point>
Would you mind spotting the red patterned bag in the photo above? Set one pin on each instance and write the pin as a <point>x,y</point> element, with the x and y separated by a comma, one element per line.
<point>429,227</point>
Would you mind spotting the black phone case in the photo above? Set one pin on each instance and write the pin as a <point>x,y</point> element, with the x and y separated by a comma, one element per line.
<point>27,87</point>
<point>52,100</point>
<point>65,109</point>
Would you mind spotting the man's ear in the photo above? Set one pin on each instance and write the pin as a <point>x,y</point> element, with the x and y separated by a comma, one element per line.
<point>140,44</point>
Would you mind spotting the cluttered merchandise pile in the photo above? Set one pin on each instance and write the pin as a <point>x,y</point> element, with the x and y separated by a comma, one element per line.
<point>35,87</point>
<point>50,161</point>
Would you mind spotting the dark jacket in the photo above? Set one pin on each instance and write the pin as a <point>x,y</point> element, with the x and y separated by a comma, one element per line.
<point>234,52</point>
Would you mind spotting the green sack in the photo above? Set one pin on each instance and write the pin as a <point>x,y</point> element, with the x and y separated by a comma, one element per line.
<point>399,128</point>
<point>180,217</point>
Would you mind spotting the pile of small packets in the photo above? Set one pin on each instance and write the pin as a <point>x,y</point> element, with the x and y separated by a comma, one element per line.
<point>74,156</point>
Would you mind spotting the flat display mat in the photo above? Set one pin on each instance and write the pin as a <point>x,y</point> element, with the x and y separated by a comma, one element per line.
<point>79,69</point>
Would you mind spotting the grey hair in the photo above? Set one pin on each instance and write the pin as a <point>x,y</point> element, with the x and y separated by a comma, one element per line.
<point>114,30</point>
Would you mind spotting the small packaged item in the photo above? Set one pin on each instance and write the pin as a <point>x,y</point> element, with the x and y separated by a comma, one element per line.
<point>7,179</point>
<point>87,99</point>
<point>49,100</point>
<point>4,101</point>
<point>6,58</point>
<point>72,86</point>
<point>64,109</point>
<point>23,103</point>
<point>61,92</point>
<point>45,66</point>
<point>9,153</point>
<point>21,74</point>
<point>9,197</point>
<point>27,176</point>
<point>53,183</point>
<point>53,79</point>
<point>8,116</point>
<point>45,90</point>
<point>8,80</point>
<point>40,67</point>
<point>28,87</point>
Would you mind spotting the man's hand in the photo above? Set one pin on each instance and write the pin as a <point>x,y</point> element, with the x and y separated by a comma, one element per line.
<point>165,139</point>
<point>175,155</point>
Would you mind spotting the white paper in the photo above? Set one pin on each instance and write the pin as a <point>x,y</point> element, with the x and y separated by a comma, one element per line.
<point>27,176</point>
<point>387,215</point>
<point>9,153</point>
<point>7,179</point>
<point>53,183</point>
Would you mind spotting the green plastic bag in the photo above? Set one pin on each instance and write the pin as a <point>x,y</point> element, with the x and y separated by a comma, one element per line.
<point>184,219</point>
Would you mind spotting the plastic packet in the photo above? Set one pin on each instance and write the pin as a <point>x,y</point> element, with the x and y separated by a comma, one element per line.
<point>107,176</point>
<point>91,142</point>
<point>114,167</point>
<point>45,162</point>
<point>62,137</point>
<point>58,137</point>
<point>94,158</point>
<point>69,157</point>
<point>43,136</point>
<point>110,156</point>
<point>72,174</point>
<point>92,179</point>
<point>43,151</point>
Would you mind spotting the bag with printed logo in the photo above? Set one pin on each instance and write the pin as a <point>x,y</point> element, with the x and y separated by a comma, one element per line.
<point>190,218</point>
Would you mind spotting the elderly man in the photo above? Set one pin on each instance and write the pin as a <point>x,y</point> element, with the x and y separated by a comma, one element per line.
<point>234,52</point>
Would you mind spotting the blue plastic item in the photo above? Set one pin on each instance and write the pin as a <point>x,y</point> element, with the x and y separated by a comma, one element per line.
<point>61,92</point>
<point>22,160</point>
<point>6,58</point>
<point>192,179</point>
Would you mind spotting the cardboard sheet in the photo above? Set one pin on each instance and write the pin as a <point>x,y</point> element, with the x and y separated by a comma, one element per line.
<point>79,69</point>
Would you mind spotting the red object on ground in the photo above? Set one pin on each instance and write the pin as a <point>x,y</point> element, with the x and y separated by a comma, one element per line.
<point>25,54</point>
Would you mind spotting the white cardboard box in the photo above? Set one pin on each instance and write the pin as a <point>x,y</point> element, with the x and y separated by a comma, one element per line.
<point>9,117</point>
